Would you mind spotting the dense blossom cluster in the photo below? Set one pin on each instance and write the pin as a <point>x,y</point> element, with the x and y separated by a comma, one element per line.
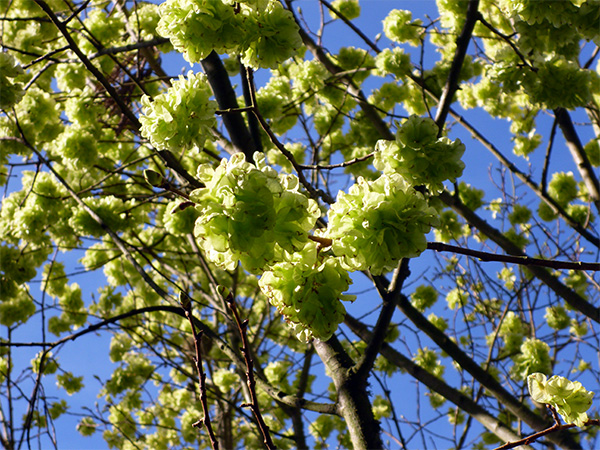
<point>375,224</point>
<point>307,291</point>
<point>420,156</point>
<point>182,117</point>
<point>263,32</point>
<point>249,214</point>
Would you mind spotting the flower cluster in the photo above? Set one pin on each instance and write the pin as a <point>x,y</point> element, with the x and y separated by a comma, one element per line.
<point>307,291</point>
<point>420,156</point>
<point>248,213</point>
<point>263,32</point>
<point>182,117</point>
<point>570,399</point>
<point>378,223</point>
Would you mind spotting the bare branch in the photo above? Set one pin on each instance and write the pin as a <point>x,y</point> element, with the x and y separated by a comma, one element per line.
<point>521,260</point>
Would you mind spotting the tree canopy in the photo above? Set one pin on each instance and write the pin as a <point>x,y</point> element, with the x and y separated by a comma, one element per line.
<point>341,225</point>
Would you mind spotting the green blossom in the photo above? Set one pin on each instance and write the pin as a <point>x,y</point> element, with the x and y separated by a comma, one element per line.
<point>375,224</point>
<point>393,61</point>
<point>307,291</point>
<point>247,213</point>
<point>399,27</point>
<point>12,92</point>
<point>350,9</point>
<point>562,187</point>
<point>419,156</point>
<point>69,382</point>
<point>534,356</point>
<point>424,297</point>
<point>87,426</point>
<point>225,379</point>
<point>557,317</point>
<point>277,38</point>
<point>428,360</point>
<point>512,331</point>
<point>570,399</point>
<point>457,298</point>
<point>181,118</point>
<point>520,214</point>
<point>470,196</point>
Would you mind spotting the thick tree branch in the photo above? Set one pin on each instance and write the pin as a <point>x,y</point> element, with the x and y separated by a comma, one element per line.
<point>353,399</point>
<point>227,99</point>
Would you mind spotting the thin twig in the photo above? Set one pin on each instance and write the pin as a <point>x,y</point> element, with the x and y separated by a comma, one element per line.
<point>336,166</point>
<point>254,405</point>
<point>521,260</point>
<point>186,304</point>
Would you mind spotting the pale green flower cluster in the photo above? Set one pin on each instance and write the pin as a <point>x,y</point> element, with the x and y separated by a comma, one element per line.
<point>379,222</point>
<point>419,156</point>
<point>247,213</point>
<point>307,291</point>
<point>263,32</point>
<point>12,92</point>
<point>182,117</point>
<point>399,27</point>
<point>534,357</point>
<point>350,9</point>
<point>424,296</point>
<point>570,399</point>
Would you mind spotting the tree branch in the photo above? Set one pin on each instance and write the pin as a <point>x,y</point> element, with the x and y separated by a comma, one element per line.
<point>227,99</point>
<point>465,403</point>
<point>254,405</point>
<point>290,400</point>
<point>186,304</point>
<point>540,192</point>
<point>521,260</point>
<point>570,296</point>
<point>353,398</point>
<point>462,43</point>
<point>478,373</point>
<point>579,156</point>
